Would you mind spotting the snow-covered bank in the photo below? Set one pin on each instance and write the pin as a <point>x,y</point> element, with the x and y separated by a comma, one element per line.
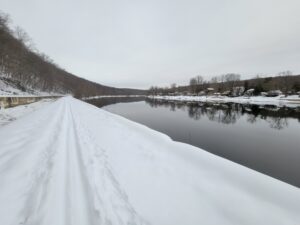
<point>73,163</point>
<point>280,101</point>
<point>10,114</point>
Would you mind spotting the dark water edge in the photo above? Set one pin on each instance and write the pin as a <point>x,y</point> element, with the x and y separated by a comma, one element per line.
<point>264,138</point>
<point>101,102</point>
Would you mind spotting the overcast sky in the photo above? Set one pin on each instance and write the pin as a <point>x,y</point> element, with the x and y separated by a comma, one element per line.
<point>137,43</point>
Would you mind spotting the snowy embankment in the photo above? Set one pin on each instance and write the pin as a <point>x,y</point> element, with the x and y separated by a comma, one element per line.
<point>73,163</point>
<point>10,114</point>
<point>280,101</point>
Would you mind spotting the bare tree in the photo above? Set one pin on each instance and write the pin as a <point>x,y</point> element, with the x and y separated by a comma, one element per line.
<point>24,38</point>
<point>199,79</point>
<point>193,85</point>
<point>4,21</point>
<point>231,79</point>
<point>196,83</point>
<point>285,80</point>
<point>221,81</point>
<point>214,80</point>
<point>173,87</point>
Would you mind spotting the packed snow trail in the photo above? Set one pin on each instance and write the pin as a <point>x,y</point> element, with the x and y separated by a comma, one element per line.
<point>58,179</point>
<point>71,163</point>
<point>8,115</point>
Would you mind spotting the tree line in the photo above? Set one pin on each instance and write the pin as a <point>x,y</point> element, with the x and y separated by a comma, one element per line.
<point>284,81</point>
<point>21,63</point>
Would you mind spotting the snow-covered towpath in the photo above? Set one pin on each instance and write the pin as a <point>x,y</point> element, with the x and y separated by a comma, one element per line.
<point>71,163</point>
<point>53,173</point>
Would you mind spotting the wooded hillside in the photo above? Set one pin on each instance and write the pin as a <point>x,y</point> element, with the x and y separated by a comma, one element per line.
<point>21,64</point>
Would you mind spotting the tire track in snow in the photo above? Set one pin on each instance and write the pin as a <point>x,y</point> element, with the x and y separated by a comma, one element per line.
<point>71,182</point>
<point>109,200</point>
<point>35,206</point>
<point>60,194</point>
<point>24,150</point>
<point>22,139</point>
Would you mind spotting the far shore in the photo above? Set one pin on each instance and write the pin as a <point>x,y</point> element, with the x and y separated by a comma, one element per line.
<point>279,101</point>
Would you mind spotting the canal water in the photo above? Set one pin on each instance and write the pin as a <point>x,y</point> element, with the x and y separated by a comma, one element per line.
<point>264,138</point>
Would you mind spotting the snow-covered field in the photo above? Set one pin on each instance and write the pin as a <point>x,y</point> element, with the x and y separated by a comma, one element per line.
<point>70,163</point>
<point>280,101</point>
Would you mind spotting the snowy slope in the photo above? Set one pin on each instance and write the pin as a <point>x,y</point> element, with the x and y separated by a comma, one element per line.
<point>9,88</point>
<point>72,163</point>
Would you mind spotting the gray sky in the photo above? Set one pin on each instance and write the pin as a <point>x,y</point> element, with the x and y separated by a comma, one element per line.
<point>137,43</point>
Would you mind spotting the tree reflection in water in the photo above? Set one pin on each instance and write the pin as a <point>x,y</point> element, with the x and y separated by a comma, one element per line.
<point>230,113</point>
<point>101,102</point>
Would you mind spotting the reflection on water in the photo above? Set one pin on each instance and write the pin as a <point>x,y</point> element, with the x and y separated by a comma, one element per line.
<point>264,138</point>
<point>101,102</point>
<point>229,113</point>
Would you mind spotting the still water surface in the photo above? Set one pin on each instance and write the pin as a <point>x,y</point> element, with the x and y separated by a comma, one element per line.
<point>264,138</point>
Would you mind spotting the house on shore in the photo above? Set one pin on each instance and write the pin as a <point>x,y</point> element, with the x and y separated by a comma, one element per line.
<point>209,91</point>
<point>274,93</point>
<point>249,92</point>
<point>225,93</point>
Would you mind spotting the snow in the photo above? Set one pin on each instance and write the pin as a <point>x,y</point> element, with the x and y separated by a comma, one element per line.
<point>8,90</point>
<point>280,101</point>
<point>36,94</point>
<point>72,163</point>
<point>10,114</point>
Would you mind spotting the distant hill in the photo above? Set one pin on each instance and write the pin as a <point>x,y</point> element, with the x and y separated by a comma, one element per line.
<point>24,70</point>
